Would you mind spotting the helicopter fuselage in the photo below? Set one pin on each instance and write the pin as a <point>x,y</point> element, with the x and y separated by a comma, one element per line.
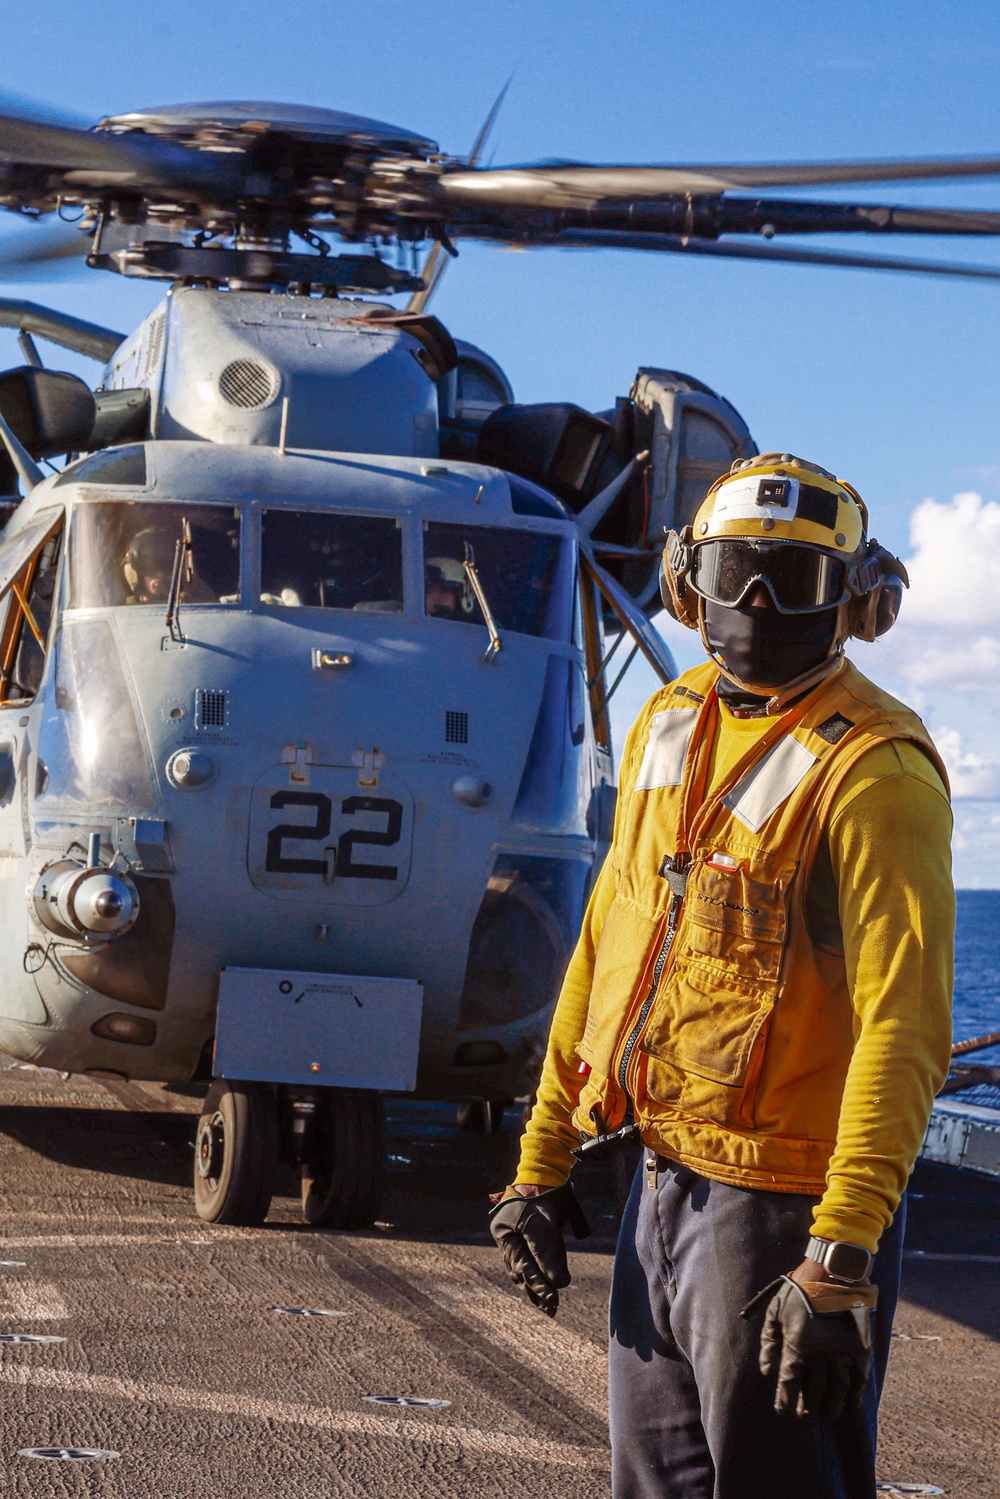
<point>303,751</point>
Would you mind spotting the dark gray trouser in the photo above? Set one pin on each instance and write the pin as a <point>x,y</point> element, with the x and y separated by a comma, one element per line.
<point>691,1414</point>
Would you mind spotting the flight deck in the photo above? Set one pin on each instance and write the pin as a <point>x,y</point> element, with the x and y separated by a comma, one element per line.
<point>394,1360</point>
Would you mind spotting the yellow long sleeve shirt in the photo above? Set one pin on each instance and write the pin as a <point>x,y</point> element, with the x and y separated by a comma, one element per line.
<point>882,893</point>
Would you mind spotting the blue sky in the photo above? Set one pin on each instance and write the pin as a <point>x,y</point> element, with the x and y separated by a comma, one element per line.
<point>891,381</point>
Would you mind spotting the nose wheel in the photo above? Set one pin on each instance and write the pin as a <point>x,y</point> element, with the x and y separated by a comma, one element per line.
<point>342,1176</point>
<point>236,1153</point>
<point>481,1116</point>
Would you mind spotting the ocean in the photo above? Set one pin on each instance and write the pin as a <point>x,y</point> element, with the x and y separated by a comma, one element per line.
<point>977,969</point>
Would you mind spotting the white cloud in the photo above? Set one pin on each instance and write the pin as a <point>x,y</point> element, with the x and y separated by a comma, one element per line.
<point>976,845</point>
<point>948,633</point>
<point>955,568</point>
<point>972,775</point>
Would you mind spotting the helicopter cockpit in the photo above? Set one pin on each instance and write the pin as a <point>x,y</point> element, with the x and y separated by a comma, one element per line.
<point>124,552</point>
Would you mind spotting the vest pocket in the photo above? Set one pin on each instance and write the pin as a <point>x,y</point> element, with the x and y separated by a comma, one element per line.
<point>734,921</point>
<point>704,1044</point>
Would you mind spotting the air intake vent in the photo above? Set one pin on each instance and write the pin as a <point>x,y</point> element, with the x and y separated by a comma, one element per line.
<point>211,709</point>
<point>153,347</point>
<point>248,383</point>
<point>456,728</point>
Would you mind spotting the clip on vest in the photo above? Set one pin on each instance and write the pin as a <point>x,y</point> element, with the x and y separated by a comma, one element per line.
<point>675,869</point>
<point>606,1147</point>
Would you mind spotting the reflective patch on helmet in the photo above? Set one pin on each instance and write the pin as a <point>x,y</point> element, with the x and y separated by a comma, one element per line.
<point>771,782</point>
<point>818,505</point>
<point>755,498</point>
<point>833,729</point>
<point>666,749</point>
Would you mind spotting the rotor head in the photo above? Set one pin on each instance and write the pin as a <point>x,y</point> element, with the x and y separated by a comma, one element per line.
<point>216,193</point>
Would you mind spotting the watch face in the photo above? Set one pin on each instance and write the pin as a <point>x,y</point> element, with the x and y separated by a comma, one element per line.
<point>848,1261</point>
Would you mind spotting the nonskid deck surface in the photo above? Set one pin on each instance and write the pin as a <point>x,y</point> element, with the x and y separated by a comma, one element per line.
<point>175,1358</point>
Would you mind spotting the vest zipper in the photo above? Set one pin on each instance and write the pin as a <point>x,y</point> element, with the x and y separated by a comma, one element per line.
<point>675,870</point>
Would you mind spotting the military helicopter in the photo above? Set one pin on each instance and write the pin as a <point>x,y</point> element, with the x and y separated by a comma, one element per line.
<point>306,650</point>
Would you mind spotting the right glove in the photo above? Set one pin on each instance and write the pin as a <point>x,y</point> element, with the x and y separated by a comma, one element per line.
<point>817,1339</point>
<point>529,1231</point>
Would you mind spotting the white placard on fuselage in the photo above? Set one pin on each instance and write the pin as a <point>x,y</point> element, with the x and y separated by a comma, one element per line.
<point>328,1029</point>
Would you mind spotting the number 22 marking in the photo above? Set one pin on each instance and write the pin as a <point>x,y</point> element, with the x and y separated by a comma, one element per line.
<point>275,861</point>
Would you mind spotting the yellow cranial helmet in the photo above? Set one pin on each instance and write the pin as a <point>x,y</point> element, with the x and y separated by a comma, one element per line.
<point>777,497</point>
<point>776,520</point>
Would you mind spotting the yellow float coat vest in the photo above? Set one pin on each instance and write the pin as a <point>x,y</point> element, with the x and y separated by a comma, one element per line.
<point>711,1007</point>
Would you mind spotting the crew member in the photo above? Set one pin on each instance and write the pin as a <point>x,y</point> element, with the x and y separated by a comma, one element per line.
<point>149,563</point>
<point>763,982</point>
<point>446,589</point>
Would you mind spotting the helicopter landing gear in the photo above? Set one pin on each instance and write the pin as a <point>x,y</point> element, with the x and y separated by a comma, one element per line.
<point>236,1153</point>
<point>481,1116</point>
<point>343,1169</point>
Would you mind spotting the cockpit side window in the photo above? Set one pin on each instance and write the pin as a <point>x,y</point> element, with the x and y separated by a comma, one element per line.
<point>26,611</point>
<point>124,552</point>
<point>527,578</point>
<point>317,560</point>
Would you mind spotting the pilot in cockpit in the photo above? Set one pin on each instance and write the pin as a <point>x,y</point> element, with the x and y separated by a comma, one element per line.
<point>149,565</point>
<point>446,588</point>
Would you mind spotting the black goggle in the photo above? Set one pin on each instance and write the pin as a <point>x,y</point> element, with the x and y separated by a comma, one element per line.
<point>800,579</point>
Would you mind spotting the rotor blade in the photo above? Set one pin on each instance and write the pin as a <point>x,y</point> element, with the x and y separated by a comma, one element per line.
<point>103,158</point>
<point>486,129</point>
<point>32,135</point>
<point>60,328</point>
<point>431,272</point>
<point>429,275</point>
<point>705,217</point>
<point>571,185</point>
<point>599,239</point>
<point>42,251</point>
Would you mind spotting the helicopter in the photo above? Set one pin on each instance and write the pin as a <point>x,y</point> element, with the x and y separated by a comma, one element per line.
<point>306,650</point>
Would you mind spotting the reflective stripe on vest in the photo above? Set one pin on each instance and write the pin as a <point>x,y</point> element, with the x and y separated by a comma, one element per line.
<point>769,783</point>
<point>666,749</point>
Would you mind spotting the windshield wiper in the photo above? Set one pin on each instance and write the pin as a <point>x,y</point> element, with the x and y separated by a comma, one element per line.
<point>496,644</point>
<point>183,570</point>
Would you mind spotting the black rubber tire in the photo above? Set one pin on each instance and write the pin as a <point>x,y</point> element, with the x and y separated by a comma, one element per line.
<point>238,1184</point>
<point>343,1181</point>
<point>481,1116</point>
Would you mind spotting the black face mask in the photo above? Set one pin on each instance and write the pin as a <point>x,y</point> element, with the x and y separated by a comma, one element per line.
<point>762,646</point>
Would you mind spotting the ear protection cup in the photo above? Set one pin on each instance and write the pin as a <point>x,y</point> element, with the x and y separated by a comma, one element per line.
<point>889,600</point>
<point>875,611</point>
<point>678,601</point>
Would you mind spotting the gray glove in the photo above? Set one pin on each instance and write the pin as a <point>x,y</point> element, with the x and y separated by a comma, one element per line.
<point>529,1230</point>
<point>817,1339</point>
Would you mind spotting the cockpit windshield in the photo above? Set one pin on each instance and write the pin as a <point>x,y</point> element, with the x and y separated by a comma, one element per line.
<point>527,578</point>
<point>123,551</point>
<point>315,559</point>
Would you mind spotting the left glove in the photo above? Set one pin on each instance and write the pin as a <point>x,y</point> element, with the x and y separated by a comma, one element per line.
<point>817,1339</point>
<point>529,1231</point>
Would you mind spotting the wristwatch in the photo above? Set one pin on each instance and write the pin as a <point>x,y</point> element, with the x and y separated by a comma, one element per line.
<point>846,1262</point>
